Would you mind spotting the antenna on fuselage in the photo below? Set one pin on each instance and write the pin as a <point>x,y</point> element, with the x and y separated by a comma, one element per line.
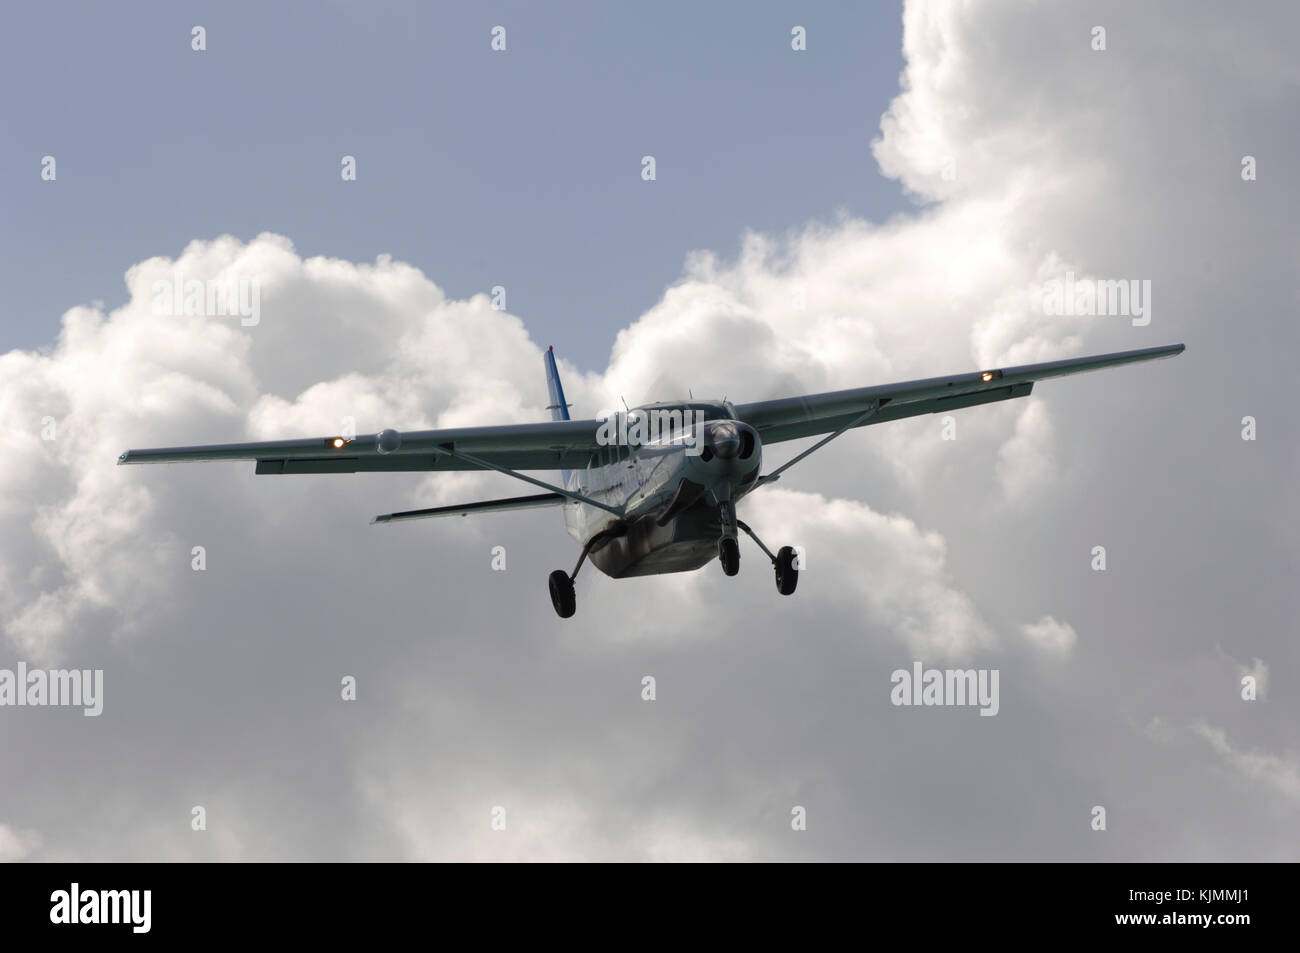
<point>625,406</point>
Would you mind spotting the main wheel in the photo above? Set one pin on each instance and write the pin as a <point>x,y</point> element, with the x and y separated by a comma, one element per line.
<point>729,555</point>
<point>787,573</point>
<point>562,595</point>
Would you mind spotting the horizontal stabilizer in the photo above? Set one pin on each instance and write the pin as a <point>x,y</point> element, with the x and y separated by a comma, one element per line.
<point>483,506</point>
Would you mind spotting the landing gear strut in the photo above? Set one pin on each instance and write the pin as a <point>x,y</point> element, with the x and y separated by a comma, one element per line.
<point>563,597</point>
<point>784,562</point>
<point>728,545</point>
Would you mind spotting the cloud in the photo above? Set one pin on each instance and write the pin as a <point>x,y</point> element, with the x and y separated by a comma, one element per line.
<point>1055,637</point>
<point>365,343</point>
<point>16,845</point>
<point>1274,771</point>
<point>904,588</point>
<point>108,550</point>
<point>1025,461</point>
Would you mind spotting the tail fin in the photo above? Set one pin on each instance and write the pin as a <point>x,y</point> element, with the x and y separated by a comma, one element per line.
<point>558,408</point>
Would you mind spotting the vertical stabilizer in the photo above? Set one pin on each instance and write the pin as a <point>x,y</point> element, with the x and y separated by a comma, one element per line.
<point>558,408</point>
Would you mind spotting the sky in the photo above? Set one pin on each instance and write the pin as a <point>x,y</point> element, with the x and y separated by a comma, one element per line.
<point>475,168</point>
<point>889,203</point>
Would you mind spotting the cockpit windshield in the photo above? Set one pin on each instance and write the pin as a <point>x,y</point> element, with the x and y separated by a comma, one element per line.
<point>699,409</point>
<point>675,421</point>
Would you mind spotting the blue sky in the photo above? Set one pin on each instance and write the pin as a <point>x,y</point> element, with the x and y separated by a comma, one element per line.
<point>519,169</point>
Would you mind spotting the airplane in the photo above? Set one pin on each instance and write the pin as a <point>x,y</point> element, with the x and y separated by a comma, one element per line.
<point>653,490</point>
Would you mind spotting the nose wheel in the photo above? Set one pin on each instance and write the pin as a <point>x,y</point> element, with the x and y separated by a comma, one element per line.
<point>729,555</point>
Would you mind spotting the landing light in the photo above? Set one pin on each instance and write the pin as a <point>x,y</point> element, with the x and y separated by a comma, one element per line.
<point>337,442</point>
<point>987,376</point>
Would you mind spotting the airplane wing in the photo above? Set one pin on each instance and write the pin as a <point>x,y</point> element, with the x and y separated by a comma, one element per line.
<point>793,417</point>
<point>554,445</point>
<point>569,444</point>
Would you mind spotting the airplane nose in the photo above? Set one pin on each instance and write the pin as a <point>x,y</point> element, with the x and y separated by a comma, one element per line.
<point>724,440</point>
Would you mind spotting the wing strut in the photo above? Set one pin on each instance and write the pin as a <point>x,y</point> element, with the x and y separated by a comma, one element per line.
<point>482,506</point>
<point>480,462</point>
<point>776,474</point>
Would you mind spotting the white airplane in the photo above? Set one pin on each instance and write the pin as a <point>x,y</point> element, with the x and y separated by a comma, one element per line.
<point>653,490</point>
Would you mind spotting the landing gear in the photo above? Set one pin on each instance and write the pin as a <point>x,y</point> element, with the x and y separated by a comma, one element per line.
<point>563,598</point>
<point>729,555</point>
<point>784,562</point>
<point>562,595</point>
<point>728,545</point>
<point>787,573</point>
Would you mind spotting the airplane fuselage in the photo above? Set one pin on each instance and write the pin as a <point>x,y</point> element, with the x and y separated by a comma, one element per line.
<point>669,491</point>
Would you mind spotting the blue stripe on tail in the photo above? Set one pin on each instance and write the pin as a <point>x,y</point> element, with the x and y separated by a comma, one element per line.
<point>558,408</point>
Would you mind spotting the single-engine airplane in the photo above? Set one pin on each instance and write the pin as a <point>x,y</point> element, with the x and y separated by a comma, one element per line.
<point>653,490</point>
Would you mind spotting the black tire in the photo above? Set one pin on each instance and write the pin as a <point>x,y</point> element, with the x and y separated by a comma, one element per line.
<point>729,555</point>
<point>562,595</point>
<point>787,573</point>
